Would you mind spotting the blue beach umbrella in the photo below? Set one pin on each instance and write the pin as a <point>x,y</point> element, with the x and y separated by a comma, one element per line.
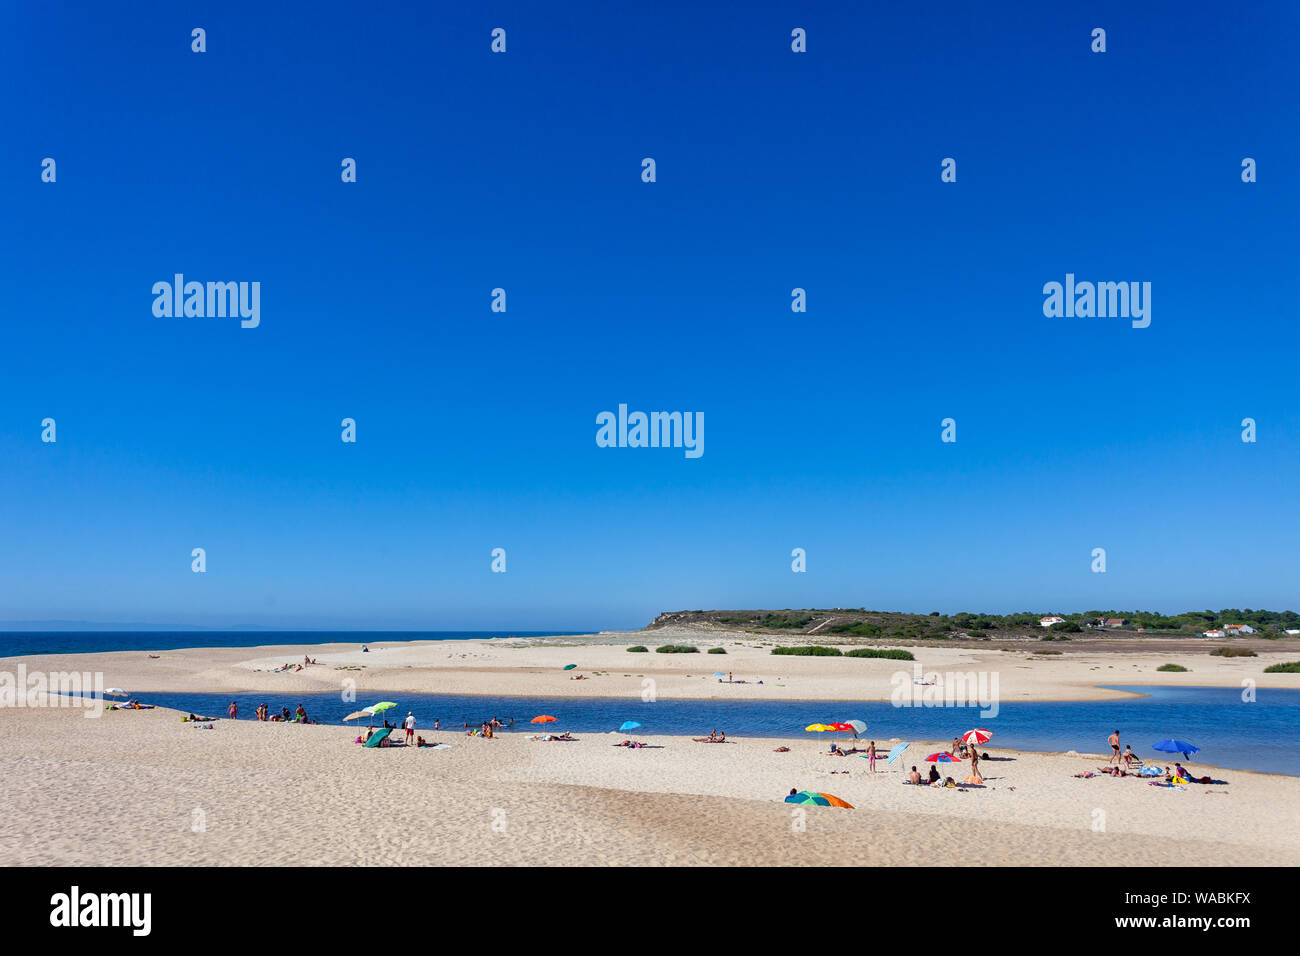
<point>896,752</point>
<point>1176,747</point>
<point>629,726</point>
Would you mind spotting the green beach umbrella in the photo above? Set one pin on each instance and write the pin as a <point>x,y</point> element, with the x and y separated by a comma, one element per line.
<point>569,667</point>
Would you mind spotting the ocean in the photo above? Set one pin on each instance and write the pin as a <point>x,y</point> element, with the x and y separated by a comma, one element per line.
<point>21,643</point>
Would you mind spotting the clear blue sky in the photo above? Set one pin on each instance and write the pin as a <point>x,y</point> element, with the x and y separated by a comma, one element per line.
<point>775,170</point>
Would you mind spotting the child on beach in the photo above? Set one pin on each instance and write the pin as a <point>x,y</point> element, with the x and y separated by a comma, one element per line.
<point>232,710</point>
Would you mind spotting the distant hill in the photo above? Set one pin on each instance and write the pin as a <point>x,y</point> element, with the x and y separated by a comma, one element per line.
<point>860,623</point>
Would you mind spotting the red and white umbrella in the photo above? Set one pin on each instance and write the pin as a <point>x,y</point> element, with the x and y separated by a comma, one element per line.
<point>978,736</point>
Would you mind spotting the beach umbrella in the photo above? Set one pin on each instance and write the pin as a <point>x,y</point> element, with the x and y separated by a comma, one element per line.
<point>569,667</point>
<point>895,753</point>
<point>859,727</point>
<point>367,712</point>
<point>1176,747</point>
<point>380,707</point>
<point>942,758</point>
<point>719,674</point>
<point>543,719</point>
<point>116,690</point>
<point>806,796</point>
<point>978,736</point>
<point>628,726</point>
<point>819,728</point>
<point>818,799</point>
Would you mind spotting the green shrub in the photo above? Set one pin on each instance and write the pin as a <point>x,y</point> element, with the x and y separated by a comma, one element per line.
<point>639,649</point>
<point>1047,650</point>
<point>892,655</point>
<point>1233,652</point>
<point>717,650</point>
<point>809,651</point>
<point>1290,667</point>
<point>1173,668</point>
<point>1068,626</point>
<point>677,649</point>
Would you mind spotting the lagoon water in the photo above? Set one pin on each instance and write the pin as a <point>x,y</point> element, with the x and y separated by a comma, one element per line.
<point>1259,735</point>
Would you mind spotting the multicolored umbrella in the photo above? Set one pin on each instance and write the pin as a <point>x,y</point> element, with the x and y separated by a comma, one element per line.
<point>543,719</point>
<point>942,758</point>
<point>978,736</point>
<point>818,799</point>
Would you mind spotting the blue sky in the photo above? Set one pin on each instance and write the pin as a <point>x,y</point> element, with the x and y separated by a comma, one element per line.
<point>775,170</point>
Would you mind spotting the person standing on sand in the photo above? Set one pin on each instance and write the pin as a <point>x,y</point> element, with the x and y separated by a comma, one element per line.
<point>1113,740</point>
<point>871,756</point>
<point>975,764</point>
<point>233,710</point>
<point>409,724</point>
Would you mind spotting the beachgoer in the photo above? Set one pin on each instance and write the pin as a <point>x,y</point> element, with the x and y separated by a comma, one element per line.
<point>233,710</point>
<point>914,776</point>
<point>435,723</point>
<point>1113,740</point>
<point>1129,756</point>
<point>300,715</point>
<point>410,726</point>
<point>934,774</point>
<point>975,765</point>
<point>871,756</point>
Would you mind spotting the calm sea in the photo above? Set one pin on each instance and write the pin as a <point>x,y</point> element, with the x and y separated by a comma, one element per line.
<point>20,643</point>
<point>1260,735</point>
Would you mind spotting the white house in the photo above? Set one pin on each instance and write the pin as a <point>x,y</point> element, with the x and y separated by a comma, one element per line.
<point>1049,621</point>
<point>1236,629</point>
<point>1213,634</point>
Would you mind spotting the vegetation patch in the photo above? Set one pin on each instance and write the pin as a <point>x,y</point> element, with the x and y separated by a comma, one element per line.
<point>677,649</point>
<point>814,650</point>
<point>1290,667</point>
<point>1233,652</point>
<point>1172,668</point>
<point>717,650</point>
<point>892,655</point>
<point>638,649</point>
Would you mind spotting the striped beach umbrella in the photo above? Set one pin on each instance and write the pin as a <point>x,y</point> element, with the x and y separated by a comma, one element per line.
<point>978,736</point>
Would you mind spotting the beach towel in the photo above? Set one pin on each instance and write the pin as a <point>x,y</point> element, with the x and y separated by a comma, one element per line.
<point>1151,772</point>
<point>378,737</point>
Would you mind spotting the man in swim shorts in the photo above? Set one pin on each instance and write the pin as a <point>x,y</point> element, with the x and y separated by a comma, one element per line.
<point>1113,740</point>
<point>409,724</point>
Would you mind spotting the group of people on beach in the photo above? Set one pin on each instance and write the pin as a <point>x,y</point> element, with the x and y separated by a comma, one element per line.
<point>263,712</point>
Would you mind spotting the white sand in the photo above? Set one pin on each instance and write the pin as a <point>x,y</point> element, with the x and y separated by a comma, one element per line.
<point>127,787</point>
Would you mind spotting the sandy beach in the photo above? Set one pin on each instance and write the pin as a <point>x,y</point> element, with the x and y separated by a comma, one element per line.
<point>144,787</point>
<point>533,667</point>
